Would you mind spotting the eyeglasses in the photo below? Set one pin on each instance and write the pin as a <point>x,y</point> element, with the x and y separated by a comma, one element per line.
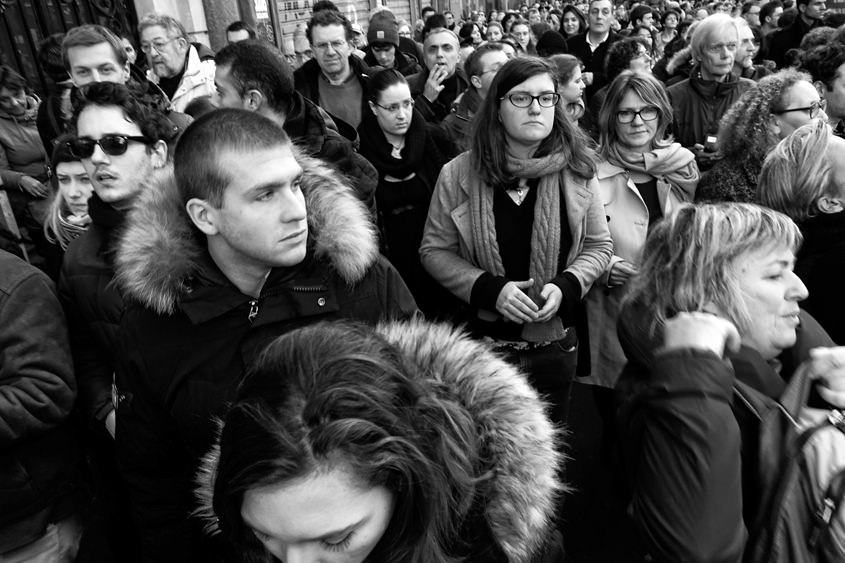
<point>648,113</point>
<point>112,145</point>
<point>394,108</point>
<point>524,100</point>
<point>719,47</point>
<point>157,45</point>
<point>812,108</point>
<point>336,45</point>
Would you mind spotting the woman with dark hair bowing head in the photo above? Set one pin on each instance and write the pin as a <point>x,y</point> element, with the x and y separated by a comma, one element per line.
<point>642,176</point>
<point>714,308</point>
<point>408,155</point>
<point>515,229</point>
<point>402,444</point>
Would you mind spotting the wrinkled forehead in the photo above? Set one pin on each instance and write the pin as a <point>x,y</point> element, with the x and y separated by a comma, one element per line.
<point>440,38</point>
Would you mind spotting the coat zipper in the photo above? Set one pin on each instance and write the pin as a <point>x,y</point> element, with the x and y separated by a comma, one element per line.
<point>253,310</point>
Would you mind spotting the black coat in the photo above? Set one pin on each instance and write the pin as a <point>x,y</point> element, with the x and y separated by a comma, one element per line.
<point>820,265</point>
<point>593,60</point>
<point>188,337</point>
<point>305,80</point>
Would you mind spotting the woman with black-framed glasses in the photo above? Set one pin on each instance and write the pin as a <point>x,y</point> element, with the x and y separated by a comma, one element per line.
<point>408,154</point>
<point>515,230</point>
<point>642,176</point>
<point>768,112</point>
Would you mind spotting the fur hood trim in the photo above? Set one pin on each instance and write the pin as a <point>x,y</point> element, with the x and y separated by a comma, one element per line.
<point>160,248</point>
<point>678,60</point>
<point>522,445</point>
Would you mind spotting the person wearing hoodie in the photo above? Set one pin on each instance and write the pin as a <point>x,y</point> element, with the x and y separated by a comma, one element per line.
<point>383,49</point>
<point>245,239</point>
<point>395,444</point>
<point>255,76</point>
<point>701,100</point>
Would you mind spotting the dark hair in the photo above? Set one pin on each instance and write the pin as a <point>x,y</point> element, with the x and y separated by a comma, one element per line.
<point>801,3</point>
<point>767,9</point>
<point>338,392</point>
<point>197,160</point>
<point>620,55</point>
<point>472,64</point>
<point>88,35</point>
<point>11,80</point>
<point>650,90</point>
<point>565,64</point>
<point>154,124</point>
<point>487,139</point>
<point>426,9</point>
<point>61,153</point>
<point>258,65</point>
<point>321,5</point>
<point>327,17</point>
<point>241,26</point>
<point>50,58</point>
<point>638,13</point>
<point>436,21</point>
<point>539,28</point>
<point>823,63</point>
<point>570,8</point>
<point>787,17</point>
<point>670,12</point>
<point>382,80</point>
<point>199,106</point>
<point>816,37</point>
<point>465,33</point>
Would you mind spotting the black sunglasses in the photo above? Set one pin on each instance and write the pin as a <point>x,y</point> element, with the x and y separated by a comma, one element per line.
<point>112,145</point>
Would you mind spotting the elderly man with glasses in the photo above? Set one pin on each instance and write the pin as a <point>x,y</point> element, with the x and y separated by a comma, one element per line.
<point>175,63</point>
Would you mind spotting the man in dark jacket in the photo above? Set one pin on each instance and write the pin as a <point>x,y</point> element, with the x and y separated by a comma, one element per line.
<point>383,48</point>
<point>120,142</point>
<point>826,65</point>
<point>809,16</point>
<point>442,81</point>
<point>335,79</point>
<point>40,454</point>
<point>591,47</point>
<point>255,76</point>
<point>246,240</point>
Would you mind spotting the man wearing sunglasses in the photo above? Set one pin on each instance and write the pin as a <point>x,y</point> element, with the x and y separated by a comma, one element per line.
<point>246,240</point>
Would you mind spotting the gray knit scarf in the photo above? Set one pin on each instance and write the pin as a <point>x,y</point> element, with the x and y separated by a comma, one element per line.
<point>545,234</point>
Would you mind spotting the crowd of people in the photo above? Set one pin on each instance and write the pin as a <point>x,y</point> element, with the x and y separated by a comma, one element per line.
<point>328,302</point>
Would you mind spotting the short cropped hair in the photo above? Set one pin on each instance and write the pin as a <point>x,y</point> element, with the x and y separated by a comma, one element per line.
<point>173,26</point>
<point>472,66</point>
<point>50,58</point>
<point>241,26</point>
<point>691,259</point>
<point>256,65</point>
<point>88,35</point>
<point>797,174</point>
<point>326,18</point>
<point>768,9</point>
<point>197,160</point>
<point>639,12</point>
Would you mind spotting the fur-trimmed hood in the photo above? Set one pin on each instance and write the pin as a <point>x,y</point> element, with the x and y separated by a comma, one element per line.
<point>160,249</point>
<point>521,444</point>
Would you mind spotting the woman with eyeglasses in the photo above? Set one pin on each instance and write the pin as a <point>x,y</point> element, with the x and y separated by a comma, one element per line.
<point>515,229</point>
<point>629,53</point>
<point>642,176</point>
<point>769,111</point>
<point>408,155</point>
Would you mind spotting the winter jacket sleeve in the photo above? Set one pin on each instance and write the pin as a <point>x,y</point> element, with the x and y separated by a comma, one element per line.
<point>37,387</point>
<point>682,457</point>
<point>9,179</point>
<point>441,253</point>
<point>153,462</point>
<point>93,363</point>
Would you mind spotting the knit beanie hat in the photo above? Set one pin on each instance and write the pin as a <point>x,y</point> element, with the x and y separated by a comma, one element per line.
<point>551,43</point>
<point>383,28</point>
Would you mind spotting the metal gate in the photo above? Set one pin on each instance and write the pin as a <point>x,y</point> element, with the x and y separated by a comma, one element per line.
<point>25,23</point>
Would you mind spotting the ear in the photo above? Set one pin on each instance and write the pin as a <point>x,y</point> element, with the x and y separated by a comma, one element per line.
<point>827,204</point>
<point>820,88</point>
<point>372,107</point>
<point>126,72</point>
<point>159,154</point>
<point>202,215</point>
<point>774,125</point>
<point>475,81</point>
<point>253,100</point>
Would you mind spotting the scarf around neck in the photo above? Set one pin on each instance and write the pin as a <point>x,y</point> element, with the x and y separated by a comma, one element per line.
<point>376,148</point>
<point>545,233</point>
<point>674,163</point>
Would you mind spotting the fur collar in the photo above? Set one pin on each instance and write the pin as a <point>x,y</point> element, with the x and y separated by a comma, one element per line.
<point>521,443</point>
<point>160,247</point>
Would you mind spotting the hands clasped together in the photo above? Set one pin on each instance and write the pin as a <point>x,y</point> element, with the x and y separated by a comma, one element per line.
<point>516,306</point>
